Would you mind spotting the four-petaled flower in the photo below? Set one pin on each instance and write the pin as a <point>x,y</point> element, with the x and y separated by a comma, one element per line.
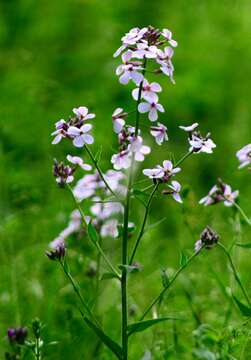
<point>220,193</point>
<point>152,109</point>
<point>159,132</point>
<point>169,36</point>
<point>244,156</point>
<point>60,132</point>
<point>175,191</point>
<point>162,173</point>
<point>200,144</point>
<point>148,91</point>
<point>80,135</point>
<point>122,160</point>
<point>76,160</point>
<point>82,113</point>
<point>129,70</point>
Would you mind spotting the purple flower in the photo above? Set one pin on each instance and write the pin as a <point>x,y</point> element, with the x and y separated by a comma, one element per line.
<point>176,187</point>
<point>60,132</point>
<point>164,58</point>
<point>129,70</point>
<point>200,144</point>
<point>163,173</point>
<point>148,91</point>
<point>136,146</point>
<point>220,193</point>
<point>82,113</point>
<point>122,160</point>
<point>244,156</point>
<point>80,135</point>
<point>17,335</point>
<point>159,132</point>
<point>63,173</point>
<point>131,38</point>
<point>145,51</point>
<point>105,210</point>
<point>152,109</point>
<point>76,160</point>
<point>169,36</point>
<point>118,117</point>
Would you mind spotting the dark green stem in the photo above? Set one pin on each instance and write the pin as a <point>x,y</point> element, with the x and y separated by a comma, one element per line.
<point>141,233</point>
<point>241,211</point>
<point>236,276</point>
<point>138,100</point>
<point>180,161</point>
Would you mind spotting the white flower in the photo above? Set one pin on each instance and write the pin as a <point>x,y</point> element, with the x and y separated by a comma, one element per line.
<point>118,120</point>
<point>148,91</point>
<point>151,108</point>
<point>220,193</point>
<point>229,195</point>
<point>155,173</point>
<point>80,135</point>
<point>176,187</point>
<point>61,131</point>
<point>164,58</point>
<point>139,150</point>
<point>244,156</point>
<point>122,160</point>
<point>189,128</point>
<point>78,161</point>
<point>199,144</point>
<point>82,113</point>
<point>145,51</point>
<point>162,172</point>
<point>86,187</point>
<point>159,132</point>
<point>129,70</point>
<point>169,36</point>
<point>110,229</point>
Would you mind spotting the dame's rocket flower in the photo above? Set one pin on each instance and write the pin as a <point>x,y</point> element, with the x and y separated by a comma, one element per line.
<point>129,70</point>
<point>118,117</point>
<point>110,229</point>
<point>148,91</point>
<point>189,128</point>
<point>162,173</point>
<point>244,156</point>
<point>76,160</point>
<point>169,36</point>
<point>220,193</point>
<point>152,109</point>
<point>159,132</point>
<point>80,135</point>
<point>175,191</point>
<point>122,160</point>
<point>136,146</point>
<point>131,38</point>
<point>208,238</point>
<point>197,142</point>
<point>82,113</point>
<point>60,132</point>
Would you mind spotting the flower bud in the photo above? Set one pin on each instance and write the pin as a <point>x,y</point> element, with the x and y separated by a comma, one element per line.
<point>17,335</point>
<point>209,238</point>
<point>58,253</point>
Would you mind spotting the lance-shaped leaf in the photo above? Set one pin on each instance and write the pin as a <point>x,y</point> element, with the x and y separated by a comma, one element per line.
<point>112,345</point>
<point>143,325</point>
<point>244,309</point>
<point>92,233</point>
<point>244,245</point>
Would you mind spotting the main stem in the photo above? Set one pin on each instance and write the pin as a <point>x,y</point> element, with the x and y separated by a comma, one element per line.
<point>125,238</point>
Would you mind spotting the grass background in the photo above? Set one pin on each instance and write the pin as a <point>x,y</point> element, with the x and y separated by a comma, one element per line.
<point>56,55</point>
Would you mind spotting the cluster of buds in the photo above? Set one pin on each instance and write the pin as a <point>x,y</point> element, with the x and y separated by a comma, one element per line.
<point>197,142</point>
<point>63,173</point>
<point>220,193</point>
<point>58,253</point>
<point>17,335</point>
<point>208,239</point>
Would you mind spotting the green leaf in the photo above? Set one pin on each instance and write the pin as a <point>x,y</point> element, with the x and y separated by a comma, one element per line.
<point>157,223</point>
<point>183,259</point>
<point>130,268</point>
<point>143,325</point>
<point>109,275</point>
<point>92,232</point>
<point>164,277</point>
<point>245,245</point>
<point>112,345</point>
<point>245,310</point>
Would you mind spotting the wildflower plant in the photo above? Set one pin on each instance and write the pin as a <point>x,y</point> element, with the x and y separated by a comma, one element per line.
<point>106,195</point>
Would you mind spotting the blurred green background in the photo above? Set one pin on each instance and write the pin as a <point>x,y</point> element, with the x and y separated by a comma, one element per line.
<point>56,55</point>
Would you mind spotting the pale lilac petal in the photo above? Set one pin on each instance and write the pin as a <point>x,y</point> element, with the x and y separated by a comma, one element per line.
<point>85,128</point>
<point>160,108</point>
<point>79,141</point>
<point>135,94</point>
<point>57,139</point>
<point>124,79</point>
<point>153,114</point>
<point>177,197</point>
<point>137,77</point>
<point>88,139</point>
<point>73,131</point>
<point>144,107</point>
<point>156,87</point>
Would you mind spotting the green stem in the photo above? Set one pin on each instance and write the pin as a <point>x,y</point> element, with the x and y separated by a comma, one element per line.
<point>157,299</point>
<point>141,233</point>
<point>76,289</point>
<point>95,163</point>
<point>96,243</point>
<point>248,221</point>
<point>138,100</point>
<point>236,276</point>
<point>183,158</point>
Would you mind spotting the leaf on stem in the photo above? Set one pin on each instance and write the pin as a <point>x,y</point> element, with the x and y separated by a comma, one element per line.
<point>245,310</point>
<point>143,325</point>
<point>183,258</point>
<point>112,345</point>
<point>244,245</point>
<point>109,275</point>
<point>130,268</point>
<point>164,277</point>
<point>92,233</point>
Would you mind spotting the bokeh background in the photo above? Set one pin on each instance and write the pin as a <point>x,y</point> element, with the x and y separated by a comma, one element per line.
<point>56,55</point>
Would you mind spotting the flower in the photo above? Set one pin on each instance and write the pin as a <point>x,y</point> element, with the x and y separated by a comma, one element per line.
<point>159,132</point>
<point>82,113</point>
<point>145,51</point>
<point>200,144</point>
<point>58,253</point>
<point>122,160</point>
<point>80,135</point>
<point>220,193</point>
<point>118,119</point>
<point>175,188</point>
<point>169,36</point>
<point>60,132</point>
<point>163,173</point>
<point>208,238</point>
<point>129,70</point>
<point>151,108</point>
<point>17,335</point>
<point>110,229</point>
<point>105,210</point>
<point>244,156</point>
<point>131,38</point>
<point>148,91</point>
<point>63,173</point>
<point>164,58</point>
<point>190,128</point>
<point>78,161</point>
<point>138,148</point>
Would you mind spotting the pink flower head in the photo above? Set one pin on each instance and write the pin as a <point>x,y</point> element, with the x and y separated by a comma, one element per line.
<point>244,156</point>
<point>130,38</point>
<point>169,37</point>
<point>200,144</point>
<point>148,91</point>
<point>122,160</point>
<point>60,132</point>
<point>76,160</point>
<point>175,188</point>
<point>82,113</point>
<point>118,117</point>
<point>145,51</point>
<point>129,70</point>
<point>159,132</point>
<point>152,109</point>
<point>80,135</point>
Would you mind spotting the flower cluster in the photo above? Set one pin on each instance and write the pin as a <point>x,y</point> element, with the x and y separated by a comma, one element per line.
<point>197,142</point>
<point>75,129</point>
<point>244,156</point>
<point>220,193</point>
<point>208,239</point>
<point>17,335</point>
